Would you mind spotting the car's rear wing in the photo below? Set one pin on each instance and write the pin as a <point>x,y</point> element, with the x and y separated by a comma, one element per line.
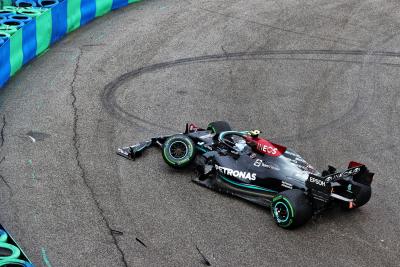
<point>321,188</point>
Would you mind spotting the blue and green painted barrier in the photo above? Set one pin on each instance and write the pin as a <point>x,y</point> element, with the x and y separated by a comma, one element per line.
<point>10,253</point>
<point>22,38</point>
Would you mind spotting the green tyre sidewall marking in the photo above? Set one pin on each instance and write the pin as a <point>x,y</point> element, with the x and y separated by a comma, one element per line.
<point>15,252</point>
<point>3,236</point>
<point>6,262</point>
<point>209,127</point>
<point>291,210</point>
<point>178,163</point>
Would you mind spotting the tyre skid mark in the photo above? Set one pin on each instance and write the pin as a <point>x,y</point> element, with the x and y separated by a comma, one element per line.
<point>204,259</point>
<point>141,242</point>
<point>273,27</point>
<point>109,96</point>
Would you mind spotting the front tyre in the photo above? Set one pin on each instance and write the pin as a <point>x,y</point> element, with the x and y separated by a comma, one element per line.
<point>291,208</point>
<point>178,151</point>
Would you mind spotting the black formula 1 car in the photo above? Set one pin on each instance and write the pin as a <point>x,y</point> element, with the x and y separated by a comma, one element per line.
<point>245,165</point>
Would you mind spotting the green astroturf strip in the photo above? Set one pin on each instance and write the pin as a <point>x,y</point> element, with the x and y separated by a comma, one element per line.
<point>43,32</point>
<point>73,15</point>
<point>16,52</point>
<point>103,7</point>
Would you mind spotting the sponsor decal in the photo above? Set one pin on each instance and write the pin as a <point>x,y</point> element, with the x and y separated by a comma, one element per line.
<point>307,168</point>
<point>287,185</point>
<point>292,154</point>
<point>207,136</point>
<point>317,185</point>
<point>267,148</point>
<point>298,159</point>
<point>260,163</point>
<point>236,173</point>
<point>349,188</point>
<point>317,181</point>
<point>336,176</point>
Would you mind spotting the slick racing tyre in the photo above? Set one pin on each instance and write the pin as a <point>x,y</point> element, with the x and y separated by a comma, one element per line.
<point>291,209</point>
<point>219,126</point>
<point>178,151</point>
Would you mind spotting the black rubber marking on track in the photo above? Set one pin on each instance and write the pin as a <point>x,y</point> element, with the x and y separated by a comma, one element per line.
<point>141,242</point>
<point>116,232</point>
<point>5,182</point>
<point>205,260</point>
<point>273,27</point>
<point>109,97</point>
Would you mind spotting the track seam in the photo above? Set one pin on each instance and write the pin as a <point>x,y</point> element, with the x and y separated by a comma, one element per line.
<point>2,131</point>
<point>79,164</point>
<point>1,145</point>
<point>3,178</point>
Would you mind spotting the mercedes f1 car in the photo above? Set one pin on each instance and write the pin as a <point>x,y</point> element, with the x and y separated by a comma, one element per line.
<point>245,165</point>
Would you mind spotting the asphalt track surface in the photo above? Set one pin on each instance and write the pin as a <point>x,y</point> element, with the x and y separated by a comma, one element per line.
<point>321,77</point>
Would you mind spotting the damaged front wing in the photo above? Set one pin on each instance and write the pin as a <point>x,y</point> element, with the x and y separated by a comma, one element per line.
<point>135,151</point>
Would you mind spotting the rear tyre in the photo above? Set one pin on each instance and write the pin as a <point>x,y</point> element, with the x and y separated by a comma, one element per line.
<point>178,151</point>
<point>219,126</point>
<point>291,209</point>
